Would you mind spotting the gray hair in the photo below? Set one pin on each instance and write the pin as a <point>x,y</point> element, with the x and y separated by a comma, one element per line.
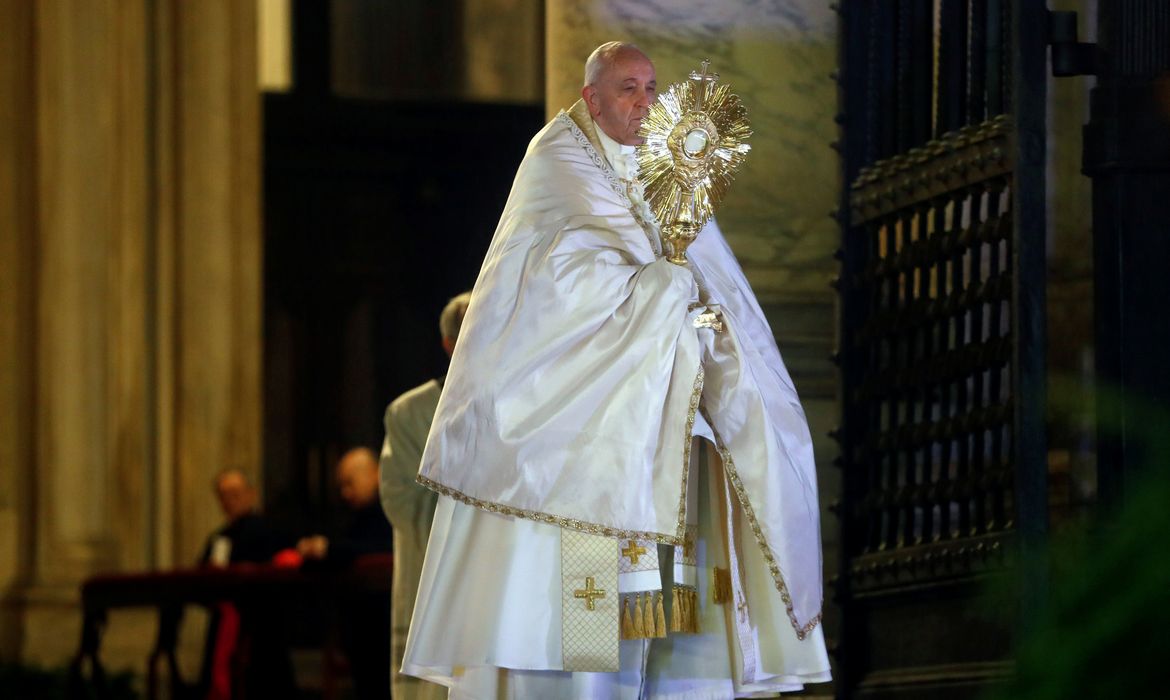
<point>602,58</point>
<point>452,317</point>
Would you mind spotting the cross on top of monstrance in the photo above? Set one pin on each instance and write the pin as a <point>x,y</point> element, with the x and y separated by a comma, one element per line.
<point>695,139</point>
<point>703,76</point>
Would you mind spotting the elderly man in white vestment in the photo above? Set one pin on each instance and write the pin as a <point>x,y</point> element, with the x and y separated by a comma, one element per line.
<point>628,502</point>
<point>410,507</point>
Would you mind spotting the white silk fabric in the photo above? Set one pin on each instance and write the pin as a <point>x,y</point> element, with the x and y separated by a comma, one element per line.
<point>572,390</point>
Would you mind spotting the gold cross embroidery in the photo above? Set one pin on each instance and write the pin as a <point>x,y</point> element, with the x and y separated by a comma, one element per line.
<point>589,592</point>
<point>689,546</point>
<point>633,551</point>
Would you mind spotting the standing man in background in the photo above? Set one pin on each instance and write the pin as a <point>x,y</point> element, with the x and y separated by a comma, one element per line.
<point>409,506</point>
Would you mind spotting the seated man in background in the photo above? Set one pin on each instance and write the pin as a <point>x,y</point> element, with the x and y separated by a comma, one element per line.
<point>368,531</point>
<point>246,536</point>
<point>365,619</point>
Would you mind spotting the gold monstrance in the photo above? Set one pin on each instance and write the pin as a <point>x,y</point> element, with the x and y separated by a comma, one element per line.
<point>696,137</point>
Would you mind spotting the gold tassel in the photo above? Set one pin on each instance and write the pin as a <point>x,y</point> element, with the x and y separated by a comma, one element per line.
<point>648,616</point>
<point>685,615</point>
<point>659,616</point>
<point>675,610</point>
<point>722,587</point>
<point>639,631</point>
<point>694,610</point>
<point>627,621</point>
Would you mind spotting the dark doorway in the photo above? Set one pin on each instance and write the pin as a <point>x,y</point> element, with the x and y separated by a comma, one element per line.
<point>377,211</point>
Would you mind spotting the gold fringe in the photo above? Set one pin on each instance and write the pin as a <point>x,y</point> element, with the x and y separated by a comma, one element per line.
<point>675,611</point>
<point>722,588</point>
<point>648,616</point>
<point>684,616</point>
<point>659,616</point>
<point>627,621</point>
<point>639,629</point>
<point>643,615</point>
<point>694,611</point>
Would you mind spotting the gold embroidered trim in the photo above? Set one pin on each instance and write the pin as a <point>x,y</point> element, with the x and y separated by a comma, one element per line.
<point>590,631</point>
<point>733,476</point>
<point>580,125</point>
<point>569,523</point>
<point>696,395</point>
<point>721,588</point>
<point>686,555</point>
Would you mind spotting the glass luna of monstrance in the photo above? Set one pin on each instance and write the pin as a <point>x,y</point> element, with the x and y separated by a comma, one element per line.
<point>695,139</point>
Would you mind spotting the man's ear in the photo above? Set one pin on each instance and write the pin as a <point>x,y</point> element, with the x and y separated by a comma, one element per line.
<point>589,94</point>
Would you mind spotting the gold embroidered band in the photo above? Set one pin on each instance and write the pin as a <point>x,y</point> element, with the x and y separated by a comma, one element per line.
<point>589,602</point>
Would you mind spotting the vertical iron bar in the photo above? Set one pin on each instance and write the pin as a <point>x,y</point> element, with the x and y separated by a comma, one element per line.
<point>920,33</point>
<point>996,212</point>
<point>952,69</point>
<point>977,62</point>
<point>903,65</point>
<point>943,322</point>
<point>994,58</point>
<point>1029,82</point>
<point>962,280</point>
<point>883,51</point>
<point>974,376</point>
<point>857,99</point>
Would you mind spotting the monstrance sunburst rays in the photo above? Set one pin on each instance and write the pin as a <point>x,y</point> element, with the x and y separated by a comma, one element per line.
<point>696,137</point>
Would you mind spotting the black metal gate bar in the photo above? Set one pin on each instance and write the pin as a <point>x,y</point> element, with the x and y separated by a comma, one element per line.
<point>1029,255</point>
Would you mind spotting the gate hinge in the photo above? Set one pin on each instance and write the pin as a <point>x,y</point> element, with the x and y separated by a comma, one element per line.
<point>1069,56</point>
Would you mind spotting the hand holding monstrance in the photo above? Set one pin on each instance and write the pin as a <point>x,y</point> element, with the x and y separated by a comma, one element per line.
<point>695,140</point>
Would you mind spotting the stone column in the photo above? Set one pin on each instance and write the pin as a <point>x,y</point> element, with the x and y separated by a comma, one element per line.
<point>131,268</point>
<point>16,317</point>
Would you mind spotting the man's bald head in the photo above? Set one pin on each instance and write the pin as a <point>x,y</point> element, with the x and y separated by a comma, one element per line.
<point>357,476</point>
<point>236,495</point>
<point>604,57</point>
<point>620,85</point>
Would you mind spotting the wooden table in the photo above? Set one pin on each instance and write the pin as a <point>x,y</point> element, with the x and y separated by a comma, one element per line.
<point>171,591</point>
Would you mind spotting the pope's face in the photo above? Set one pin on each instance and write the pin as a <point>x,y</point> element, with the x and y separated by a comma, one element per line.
<point>622,96</point>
